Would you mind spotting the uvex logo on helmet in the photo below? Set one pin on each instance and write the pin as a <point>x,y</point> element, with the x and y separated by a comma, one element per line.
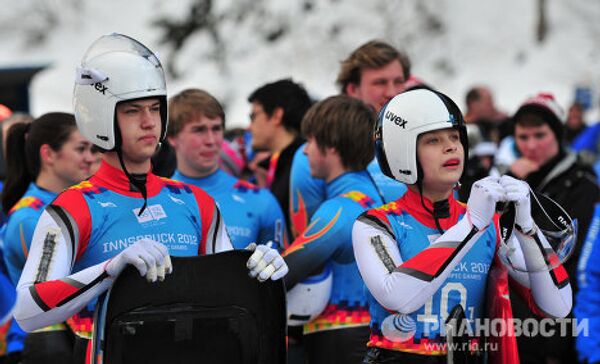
<point>100,88</point>
<point>396,119</point>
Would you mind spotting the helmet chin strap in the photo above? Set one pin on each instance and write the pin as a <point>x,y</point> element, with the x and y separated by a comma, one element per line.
<point>441,209</point>
<point>137,180</point>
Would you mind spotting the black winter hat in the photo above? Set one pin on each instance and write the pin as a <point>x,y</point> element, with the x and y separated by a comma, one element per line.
<point>544,105</point>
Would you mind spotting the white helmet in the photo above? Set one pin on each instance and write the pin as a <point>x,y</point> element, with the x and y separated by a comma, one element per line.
<point>402,120</point>
<point>309,298</point>
<point>115,68</point>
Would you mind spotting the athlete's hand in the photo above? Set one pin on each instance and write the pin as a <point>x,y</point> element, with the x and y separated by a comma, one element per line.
<point>265,262</point>
<point>518,192</point>
<point>481,206</point>
<point>149,257</point>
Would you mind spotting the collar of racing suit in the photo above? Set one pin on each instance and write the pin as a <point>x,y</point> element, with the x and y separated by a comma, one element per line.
<point>411,201</point>
<point>115,180</point>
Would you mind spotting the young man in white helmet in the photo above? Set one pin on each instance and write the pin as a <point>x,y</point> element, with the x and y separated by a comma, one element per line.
<point>425,254</point>
<point>123,214</point>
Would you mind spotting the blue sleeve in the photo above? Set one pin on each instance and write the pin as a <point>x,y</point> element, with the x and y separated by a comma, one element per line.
<point>587,305</point>
<point>587,140</point>
<point>17,241</point>
<point>306,193</point>
<point>328,236</point>
<point>15,338</point>
<point>7,297</point>
<point>389,189</point>
<point>272,222</point>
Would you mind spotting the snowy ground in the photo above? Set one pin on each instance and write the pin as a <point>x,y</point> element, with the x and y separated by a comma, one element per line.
<point>453,44</point>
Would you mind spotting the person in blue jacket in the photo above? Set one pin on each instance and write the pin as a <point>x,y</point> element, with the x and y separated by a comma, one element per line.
<point>373,73</point>
<point>7,301</point>
<point>43,158</point>
<point>196,125</point>
<point>587,302</point>
<point>338,153</point>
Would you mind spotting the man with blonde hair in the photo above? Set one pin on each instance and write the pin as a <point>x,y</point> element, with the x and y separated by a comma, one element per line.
<point>196,125</point>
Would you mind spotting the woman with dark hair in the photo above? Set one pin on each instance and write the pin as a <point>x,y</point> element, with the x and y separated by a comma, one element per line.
<point>43,158</point>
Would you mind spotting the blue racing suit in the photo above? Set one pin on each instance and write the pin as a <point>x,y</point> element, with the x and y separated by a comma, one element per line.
<point>416,276</point>
<point>7,299</point>
<point>588,140</point>
<point>307,193</point>
<point>17,234</point>
<point>414,229</point>
<point>252,214</point>
<point>587,304</point>
<point>328,239</point>
<point>92,222</point>
<point>22,219</point>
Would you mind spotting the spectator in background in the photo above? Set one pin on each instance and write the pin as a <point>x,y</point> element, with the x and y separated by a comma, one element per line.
<point>196,126</point>
<point>164,161</point>
<point>575,123</point>
<point>7,119</point>
<point>5,124</point>
<point>561,175</point>
<point>587,308</point>
<point>277,110</point>
<point>43,158</point>
<point>7,301</point>
<point>339,153</point>
<point>374,73</point>
<point>482,111</point>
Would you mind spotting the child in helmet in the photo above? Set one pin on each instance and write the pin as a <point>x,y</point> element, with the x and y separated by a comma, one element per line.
<point>424,254</point>
<point>124,214</point>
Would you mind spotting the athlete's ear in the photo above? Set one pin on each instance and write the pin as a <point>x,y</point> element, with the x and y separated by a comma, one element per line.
<point>352,90</point>
<point>47,155</point>
<point>332,152</point>
<point>277,115</point>
<point>172,141</point>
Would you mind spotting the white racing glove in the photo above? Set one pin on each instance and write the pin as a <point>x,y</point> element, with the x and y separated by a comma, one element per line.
<point>519,192</point>
<point>481,206</point>
<point>265,263</point>
<point>149,257</point>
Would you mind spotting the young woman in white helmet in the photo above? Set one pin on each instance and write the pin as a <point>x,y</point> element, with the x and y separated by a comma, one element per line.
<point>124,214</point>
<point>424,254</point>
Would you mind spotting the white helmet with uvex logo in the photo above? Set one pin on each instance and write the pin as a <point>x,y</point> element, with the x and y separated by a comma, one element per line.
<point>115,68</point>
<point>402,120</point>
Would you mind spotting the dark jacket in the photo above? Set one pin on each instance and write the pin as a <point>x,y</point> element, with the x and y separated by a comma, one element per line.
<point>280,186</point>
<point>572,184</point>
